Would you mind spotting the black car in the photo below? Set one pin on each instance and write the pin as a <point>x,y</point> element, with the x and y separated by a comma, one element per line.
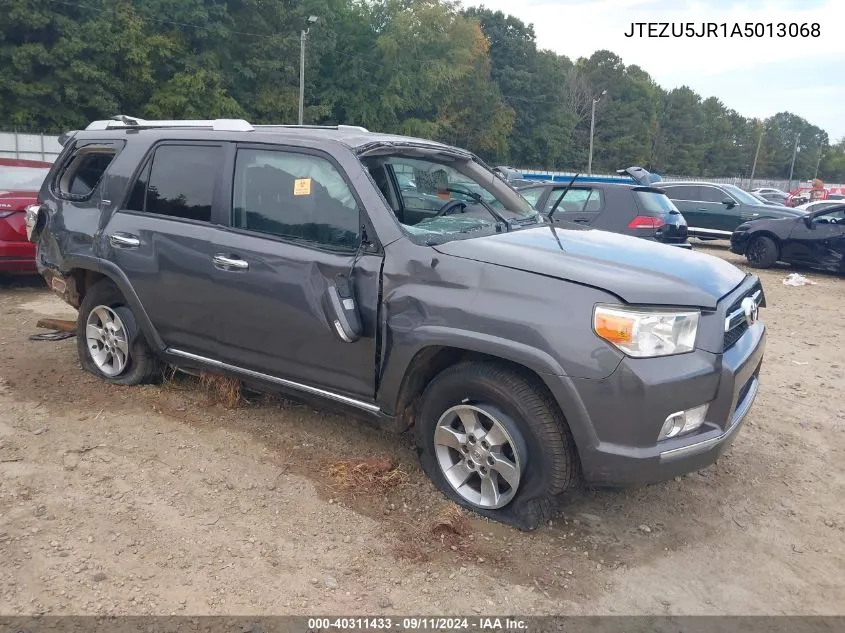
<point>630,209</point>
<point>816,240</point>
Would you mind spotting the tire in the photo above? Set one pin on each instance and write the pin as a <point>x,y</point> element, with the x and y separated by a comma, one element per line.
<point>762,252</point>
<point>140,365</point>
<point>539,442</point>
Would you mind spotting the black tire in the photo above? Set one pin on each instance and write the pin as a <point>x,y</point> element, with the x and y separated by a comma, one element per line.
<point>549,457</point>
<point>762,252</point>
<point>142,366</point>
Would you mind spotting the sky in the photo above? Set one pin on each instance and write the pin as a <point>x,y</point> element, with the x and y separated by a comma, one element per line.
<point>757,76</point>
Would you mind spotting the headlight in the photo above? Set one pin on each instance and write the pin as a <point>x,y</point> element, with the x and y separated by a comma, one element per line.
<point>646,333</point>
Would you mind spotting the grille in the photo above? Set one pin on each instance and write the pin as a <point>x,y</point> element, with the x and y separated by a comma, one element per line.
<point>732,336</point>
<point>735,333</point>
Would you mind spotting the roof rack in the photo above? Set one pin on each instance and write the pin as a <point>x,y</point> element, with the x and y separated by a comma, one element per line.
<point>356,128</point>
<point>121,121</point>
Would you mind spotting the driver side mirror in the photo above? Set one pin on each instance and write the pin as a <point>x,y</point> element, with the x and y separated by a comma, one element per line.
<point>729,203</point>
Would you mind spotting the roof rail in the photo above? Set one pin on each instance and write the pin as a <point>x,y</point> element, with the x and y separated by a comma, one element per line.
<point>121,121</point>
<point>356,128</point>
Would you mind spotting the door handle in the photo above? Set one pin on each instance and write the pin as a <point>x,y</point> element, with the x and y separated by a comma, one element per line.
<point>225,262</point>
<point>581,220</point>
<point>124,240</point>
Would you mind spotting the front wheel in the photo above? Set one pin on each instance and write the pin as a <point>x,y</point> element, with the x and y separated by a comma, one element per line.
<point>495,441</point>
<point>762,252</point>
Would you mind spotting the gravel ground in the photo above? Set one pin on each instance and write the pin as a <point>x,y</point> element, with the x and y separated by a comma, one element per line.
<point>160,500</point>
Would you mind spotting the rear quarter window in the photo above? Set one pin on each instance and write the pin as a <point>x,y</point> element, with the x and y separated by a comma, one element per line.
<point>83,171</point>
<point>656,203</point>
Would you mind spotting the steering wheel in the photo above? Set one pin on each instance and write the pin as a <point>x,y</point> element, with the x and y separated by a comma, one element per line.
<point>449,207</point>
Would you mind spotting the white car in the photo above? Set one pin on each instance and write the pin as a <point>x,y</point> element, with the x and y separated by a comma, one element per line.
<point>765,190</point>
<point>819,205</point>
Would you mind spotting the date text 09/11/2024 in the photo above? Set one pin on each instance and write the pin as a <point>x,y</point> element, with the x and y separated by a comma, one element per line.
<point>492,624</point>
<point>723,29</point>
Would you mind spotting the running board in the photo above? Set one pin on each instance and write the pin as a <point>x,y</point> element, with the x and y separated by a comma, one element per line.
<point>316,391</point>
<point>695,232</point>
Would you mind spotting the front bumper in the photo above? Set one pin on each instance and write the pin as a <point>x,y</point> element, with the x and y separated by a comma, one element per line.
<point>738,242</point>
<point>621,415</point>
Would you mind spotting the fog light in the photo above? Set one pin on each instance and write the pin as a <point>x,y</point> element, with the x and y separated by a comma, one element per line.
<point>683,422</point>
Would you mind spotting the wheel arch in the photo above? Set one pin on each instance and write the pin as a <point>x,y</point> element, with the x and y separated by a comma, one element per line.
<point>401,397</point>
<point>81,273</point>
<point>766,233</point>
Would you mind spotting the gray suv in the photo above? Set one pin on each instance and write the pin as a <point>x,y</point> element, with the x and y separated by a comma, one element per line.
<point>400,280</point>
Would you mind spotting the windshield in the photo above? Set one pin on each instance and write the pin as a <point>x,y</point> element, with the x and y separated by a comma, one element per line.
<point>743,196</point>
<point>22,178</point>
<point>439,198</point>
<point>654,202</point>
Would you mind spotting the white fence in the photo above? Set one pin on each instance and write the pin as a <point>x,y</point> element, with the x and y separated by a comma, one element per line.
<point>29,146</point>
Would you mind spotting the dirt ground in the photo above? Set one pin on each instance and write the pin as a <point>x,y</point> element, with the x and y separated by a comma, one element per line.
<point>160,500</point>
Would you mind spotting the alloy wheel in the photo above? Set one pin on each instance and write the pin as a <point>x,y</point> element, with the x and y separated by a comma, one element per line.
<point>107,341</point>
<point>478,456</point>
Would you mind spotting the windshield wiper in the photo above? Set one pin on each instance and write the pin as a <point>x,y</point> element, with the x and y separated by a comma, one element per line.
<point>482,202</point>
<point>560,198</point>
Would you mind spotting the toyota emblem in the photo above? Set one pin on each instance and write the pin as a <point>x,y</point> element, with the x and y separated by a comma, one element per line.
<point>750,310</point>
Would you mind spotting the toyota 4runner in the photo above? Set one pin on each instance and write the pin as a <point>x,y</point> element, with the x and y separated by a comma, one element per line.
<point>402,280</point>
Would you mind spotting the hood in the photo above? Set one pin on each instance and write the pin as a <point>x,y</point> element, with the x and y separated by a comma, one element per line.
<point>779,210</point>
<point>635,270</point>
<point>16,200</point>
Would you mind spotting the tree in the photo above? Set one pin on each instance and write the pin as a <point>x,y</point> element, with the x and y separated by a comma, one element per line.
<point>471,77</point>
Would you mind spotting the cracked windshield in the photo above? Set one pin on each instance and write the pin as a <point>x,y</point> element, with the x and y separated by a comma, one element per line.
<point>437,201</point>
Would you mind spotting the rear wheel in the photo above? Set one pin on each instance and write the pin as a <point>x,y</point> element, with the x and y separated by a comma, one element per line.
<point>108,340</point>
<point>495,442</point>
<point>762,252</point>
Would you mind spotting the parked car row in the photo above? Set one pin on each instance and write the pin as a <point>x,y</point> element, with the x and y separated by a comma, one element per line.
<point>400,280</point>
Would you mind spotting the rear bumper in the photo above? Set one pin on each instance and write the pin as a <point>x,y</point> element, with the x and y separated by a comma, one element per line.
<point>621,416</point>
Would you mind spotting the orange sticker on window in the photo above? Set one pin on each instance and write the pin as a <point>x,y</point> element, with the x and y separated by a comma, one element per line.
<point>302,187</point>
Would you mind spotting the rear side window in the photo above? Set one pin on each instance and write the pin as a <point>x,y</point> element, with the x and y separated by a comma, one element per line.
<point>682,192</point>
<point>13,178</point>
<point>178,182</point>
<point>296,196</point>
<point>83,172</point>
<point>656,203</point>
<point>576,201</point>
<point>712,194</point>
<point>532,195</point>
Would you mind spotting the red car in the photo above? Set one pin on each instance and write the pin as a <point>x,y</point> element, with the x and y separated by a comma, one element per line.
<point>20,181</point>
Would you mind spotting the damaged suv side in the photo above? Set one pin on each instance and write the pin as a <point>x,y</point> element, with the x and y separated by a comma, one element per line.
<point>401,280</point>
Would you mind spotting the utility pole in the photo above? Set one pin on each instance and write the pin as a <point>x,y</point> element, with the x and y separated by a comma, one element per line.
<point>794,154</point>
<point>592,131</point>
<point>756,154</point>
<point>311,20</point>
<point>819,161</point>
